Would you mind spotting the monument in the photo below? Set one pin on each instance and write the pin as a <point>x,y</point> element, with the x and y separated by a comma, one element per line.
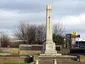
<point>49,45</point>
<point>50,55</point>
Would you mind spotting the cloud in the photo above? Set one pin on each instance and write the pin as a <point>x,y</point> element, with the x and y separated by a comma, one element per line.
<point>75,23</point>
<point>68,7</point>
<point>60,7</point>
<point>24,5</point>
<point>11,18</point>
<point>69,12</point>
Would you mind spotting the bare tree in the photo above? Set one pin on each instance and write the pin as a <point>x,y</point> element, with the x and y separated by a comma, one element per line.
<point>41,33</point>
<point>31,33</point>
<point>58,29</point>
<point>36,34</point>
<point>5,40</point>
<point>21,31</point>
<point>58,33</point>
<point>26,32</point>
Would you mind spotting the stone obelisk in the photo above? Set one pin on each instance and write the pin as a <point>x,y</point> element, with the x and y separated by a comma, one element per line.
<point>49,45</point>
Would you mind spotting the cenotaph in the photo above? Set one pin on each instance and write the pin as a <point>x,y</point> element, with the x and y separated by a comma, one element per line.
<point>50,55</point>
<point>49,45</point>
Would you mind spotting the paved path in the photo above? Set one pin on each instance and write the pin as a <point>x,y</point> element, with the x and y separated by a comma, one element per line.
<point>82,62</point>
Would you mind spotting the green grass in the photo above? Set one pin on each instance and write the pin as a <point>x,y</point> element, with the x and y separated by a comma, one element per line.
<point>14,63</point>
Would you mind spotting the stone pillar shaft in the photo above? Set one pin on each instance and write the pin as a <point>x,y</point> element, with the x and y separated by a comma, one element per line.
<point>49,23</point>
<point>49,45</point>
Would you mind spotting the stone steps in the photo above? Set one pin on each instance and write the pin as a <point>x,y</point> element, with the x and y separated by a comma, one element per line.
<point>71,62</point>
<point>59,60</point>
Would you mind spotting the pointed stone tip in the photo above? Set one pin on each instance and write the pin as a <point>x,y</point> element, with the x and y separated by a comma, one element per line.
<point>49,6</point>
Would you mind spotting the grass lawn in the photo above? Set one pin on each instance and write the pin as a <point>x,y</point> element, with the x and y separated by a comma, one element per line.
<point>14,63</point>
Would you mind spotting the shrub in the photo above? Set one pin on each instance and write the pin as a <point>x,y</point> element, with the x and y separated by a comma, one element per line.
<point>29,59</point>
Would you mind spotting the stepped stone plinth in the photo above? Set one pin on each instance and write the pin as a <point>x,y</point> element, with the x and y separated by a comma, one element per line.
<point>49,45</point>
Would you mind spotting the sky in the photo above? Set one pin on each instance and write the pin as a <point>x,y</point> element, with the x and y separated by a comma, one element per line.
<point>71,13</point>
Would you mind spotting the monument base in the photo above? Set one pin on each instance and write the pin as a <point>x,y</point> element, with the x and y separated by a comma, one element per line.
<point>49,48</point>
<point>51,54</point>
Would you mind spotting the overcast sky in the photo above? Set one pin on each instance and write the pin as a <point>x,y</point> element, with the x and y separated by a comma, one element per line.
<point>71,13</point>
